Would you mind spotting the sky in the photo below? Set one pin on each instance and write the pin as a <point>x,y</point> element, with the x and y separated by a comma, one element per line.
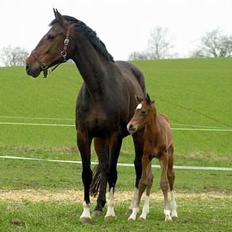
<point>123,25</point>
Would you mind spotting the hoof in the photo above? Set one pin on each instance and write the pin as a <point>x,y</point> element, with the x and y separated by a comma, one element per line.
<point>97,213</point>
<point>168,219</point>
<point>85,220</point>
<point>110,218</point>
<point>174,214</point>
<point>129,212</point>
<point>142,218</point>
<point>131,219</point>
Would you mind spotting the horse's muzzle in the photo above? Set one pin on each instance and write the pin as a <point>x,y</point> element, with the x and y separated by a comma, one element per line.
<point>131,128</point>
<point>34,72</point>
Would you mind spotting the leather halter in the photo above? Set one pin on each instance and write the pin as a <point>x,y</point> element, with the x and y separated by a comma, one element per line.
<point>44,67</point>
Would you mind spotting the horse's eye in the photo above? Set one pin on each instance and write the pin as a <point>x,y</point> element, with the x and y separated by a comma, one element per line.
<point>143,111</point>
<point>50,37</point>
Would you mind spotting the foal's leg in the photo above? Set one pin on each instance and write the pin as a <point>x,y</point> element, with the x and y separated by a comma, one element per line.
<point>114,149</point>
<point>143,183</point>
<point>171,180</point>
<point>102,149</point>
<point>138,145</point>
<point>145,210</point>
<point>165,185</point>
<point>83,143</point>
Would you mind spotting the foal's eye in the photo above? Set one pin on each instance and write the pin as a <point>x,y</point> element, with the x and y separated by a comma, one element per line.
<point>143,111</point>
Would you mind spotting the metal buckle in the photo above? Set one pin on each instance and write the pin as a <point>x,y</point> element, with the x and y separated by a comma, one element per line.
<point>66,42</point>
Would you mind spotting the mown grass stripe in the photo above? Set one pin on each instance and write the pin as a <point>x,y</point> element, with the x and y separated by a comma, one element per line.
<point>119,164</point>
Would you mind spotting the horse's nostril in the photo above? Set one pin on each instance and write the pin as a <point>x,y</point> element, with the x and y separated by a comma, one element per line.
<point>27,67</point>
<point>130,127</point>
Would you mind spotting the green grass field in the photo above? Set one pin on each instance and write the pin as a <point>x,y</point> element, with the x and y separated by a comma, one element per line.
<point>193,93</point>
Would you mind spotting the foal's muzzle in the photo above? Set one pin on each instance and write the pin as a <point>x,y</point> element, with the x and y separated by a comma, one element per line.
<point>131,128</point>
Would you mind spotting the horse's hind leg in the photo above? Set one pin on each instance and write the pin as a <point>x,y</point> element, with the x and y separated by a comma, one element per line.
<point>164,184</point>
<point>115,143</point>
<point>83,143</point>
<point>171,179</point>
<point>100,176</point>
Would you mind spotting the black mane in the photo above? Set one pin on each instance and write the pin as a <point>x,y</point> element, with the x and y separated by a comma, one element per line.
<point>90,34</point>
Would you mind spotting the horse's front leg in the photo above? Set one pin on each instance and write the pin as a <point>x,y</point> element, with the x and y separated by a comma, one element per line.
<point>143,183</point>
<point>138,146</point>
<point>115,143</point>
<point>164,184</point>
<point>83,143</point>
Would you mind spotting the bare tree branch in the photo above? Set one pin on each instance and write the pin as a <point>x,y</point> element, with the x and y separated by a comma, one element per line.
<point>13,56</point>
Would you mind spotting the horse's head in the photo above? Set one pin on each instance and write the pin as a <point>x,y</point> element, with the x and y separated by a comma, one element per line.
<point>142,114</point>
<point>53,48</point>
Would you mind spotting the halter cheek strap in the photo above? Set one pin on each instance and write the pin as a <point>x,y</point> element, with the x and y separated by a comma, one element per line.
<point>44,67</point>
<point>63,53</point>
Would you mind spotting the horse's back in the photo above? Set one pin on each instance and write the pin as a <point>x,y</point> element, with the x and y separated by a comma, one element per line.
<point>131,72</point>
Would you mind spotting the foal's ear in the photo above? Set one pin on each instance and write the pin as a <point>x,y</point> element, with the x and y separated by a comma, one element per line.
<point>139,99</point>
<point>149,99</point>
<point>60,19</point>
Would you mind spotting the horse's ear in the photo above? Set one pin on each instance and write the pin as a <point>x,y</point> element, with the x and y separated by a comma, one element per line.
<point>149,99</point>
<point>59,17</point>
<point>139,99</point>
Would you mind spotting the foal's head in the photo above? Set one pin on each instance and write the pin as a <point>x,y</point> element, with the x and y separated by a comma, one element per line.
<point>141,117</point>
<point>53,48</point>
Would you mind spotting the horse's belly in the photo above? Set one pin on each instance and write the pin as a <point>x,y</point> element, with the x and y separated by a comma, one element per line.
<point>99,125</point>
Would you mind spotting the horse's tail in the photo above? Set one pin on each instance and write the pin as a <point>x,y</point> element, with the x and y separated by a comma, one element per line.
<point>95,185</point>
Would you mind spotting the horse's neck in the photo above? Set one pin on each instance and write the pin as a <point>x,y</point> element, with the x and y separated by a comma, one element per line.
<point>153,128</point>
<point>92,68</point>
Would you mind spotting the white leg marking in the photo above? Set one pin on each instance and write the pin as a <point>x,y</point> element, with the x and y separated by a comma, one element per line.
<point>145,207</point>
<point>173,205</point>
<point>167,214</point>
<point>110,210</point>
<point>134,214</point>
<point>134,198</point>
<point>167,211</point>
<point>86,211</point>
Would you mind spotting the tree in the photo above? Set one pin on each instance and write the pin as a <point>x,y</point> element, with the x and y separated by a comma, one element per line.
<point>13,56</point>
<point>159,44</point>
<point>215,44</point>
<point>138,56</point>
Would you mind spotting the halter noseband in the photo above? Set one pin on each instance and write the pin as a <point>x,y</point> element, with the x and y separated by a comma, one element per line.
<point>44,67</point>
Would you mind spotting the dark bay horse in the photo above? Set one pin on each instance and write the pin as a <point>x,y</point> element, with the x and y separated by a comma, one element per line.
<point>157,143</point>
<point>105,103</point>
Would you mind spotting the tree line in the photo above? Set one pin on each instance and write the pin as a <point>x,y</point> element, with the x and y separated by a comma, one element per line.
<point>212,44</point>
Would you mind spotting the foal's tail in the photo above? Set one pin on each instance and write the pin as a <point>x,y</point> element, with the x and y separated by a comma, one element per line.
<point>95,185</point>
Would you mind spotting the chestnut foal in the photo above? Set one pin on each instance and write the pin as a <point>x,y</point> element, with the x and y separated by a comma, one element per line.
<point>157,143</point>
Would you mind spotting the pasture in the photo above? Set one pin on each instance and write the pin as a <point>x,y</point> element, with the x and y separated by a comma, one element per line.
<point>36,120</point>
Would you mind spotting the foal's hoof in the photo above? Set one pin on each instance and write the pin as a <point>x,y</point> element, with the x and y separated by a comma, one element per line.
<point>142,218</point>
<point>168,219</point>
<point>129,212</point>
<point>97,213</point>
<point>174,214</point>
<point>85,220</point>
<point>109,218</point>
<point>132,218</point>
